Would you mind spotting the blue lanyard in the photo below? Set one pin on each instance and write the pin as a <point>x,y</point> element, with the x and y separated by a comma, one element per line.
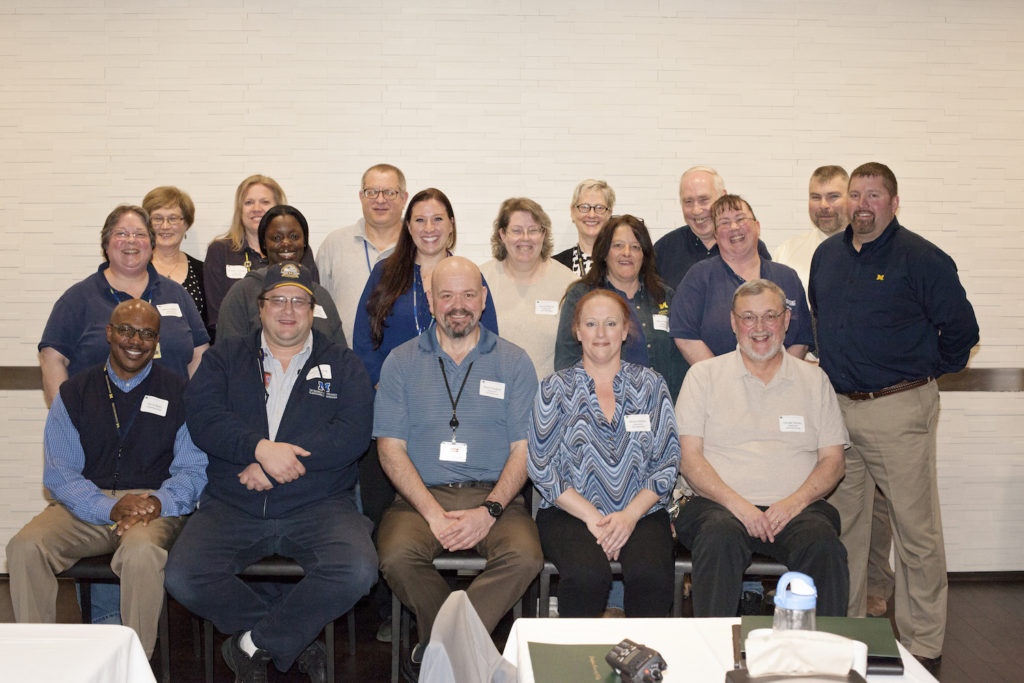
<point>366,250</point>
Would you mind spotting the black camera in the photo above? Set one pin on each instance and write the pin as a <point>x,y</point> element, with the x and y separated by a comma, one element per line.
<point>636,663</point>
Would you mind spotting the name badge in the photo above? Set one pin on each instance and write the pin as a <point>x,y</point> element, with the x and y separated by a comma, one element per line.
<point>492,389</point>
<point>156,354</point>
<point>169,309</point>
<point>791,423</point>
<point>541,307</point>
<point>453,451</point>
<point>638,423</point>
<point>661,322</point>
<point>235,272</point>
<point>152,404</point>
<point>319,312</point>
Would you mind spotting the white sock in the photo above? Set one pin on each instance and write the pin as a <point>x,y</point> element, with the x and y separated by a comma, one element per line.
<point>245,642</point>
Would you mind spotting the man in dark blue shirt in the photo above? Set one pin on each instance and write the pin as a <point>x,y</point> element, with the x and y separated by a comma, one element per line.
<point>677,251</point>
<point>892,316</point>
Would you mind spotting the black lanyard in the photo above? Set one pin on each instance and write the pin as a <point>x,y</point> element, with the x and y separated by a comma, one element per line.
<point>264,377</point>
<point>454,422</point>
<point>113,408</point>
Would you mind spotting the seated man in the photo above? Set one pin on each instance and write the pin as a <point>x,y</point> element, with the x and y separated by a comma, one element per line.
<point>122,469</point>
<point>451,418</point>
<point>284,415</point>
<point>762,444</point>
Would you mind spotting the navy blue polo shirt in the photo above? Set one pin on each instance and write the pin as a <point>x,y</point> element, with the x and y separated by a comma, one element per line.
<point>701,307</point>
<point>678,251</point>
<point>893,311</point>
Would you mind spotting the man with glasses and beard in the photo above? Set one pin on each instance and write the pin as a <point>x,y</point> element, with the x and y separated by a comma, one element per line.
<point>451,417</point>
<point>762,445</point>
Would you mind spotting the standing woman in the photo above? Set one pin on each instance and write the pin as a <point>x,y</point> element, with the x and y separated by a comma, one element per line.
<point>172,213</point>
<point>604,453</point>
<point>75,334</point>
<point>525,284</point>
<point>393,308</point>
<point>591,207</point>
<point>624,263</point>
<point>232,255</point>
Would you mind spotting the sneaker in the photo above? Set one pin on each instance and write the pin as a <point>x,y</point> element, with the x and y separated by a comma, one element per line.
<point>614,613</point>
<point>932,665</point>
<point>313,662</point>
<point>410,666</point>
<point>247,669</point>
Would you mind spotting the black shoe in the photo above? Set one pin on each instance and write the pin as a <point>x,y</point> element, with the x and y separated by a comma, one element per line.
<point>313,662</point>
<point>751,603</point>
<point>247,669</point>
<point>410,666</point>
<point>931,664</point>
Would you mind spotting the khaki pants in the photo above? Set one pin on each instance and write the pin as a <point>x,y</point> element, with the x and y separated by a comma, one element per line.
<point>893,445</point>
<point>55,539</point>
<point>407,549</point>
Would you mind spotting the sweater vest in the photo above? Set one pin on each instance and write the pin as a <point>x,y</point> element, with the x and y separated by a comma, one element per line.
<point>140,457</point>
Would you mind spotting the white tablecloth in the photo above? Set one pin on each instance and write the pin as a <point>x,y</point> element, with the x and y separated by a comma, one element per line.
<point>694,649</point>
<point>72,653</point>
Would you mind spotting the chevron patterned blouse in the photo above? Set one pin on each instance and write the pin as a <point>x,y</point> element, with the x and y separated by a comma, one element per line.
<point>572,444</point>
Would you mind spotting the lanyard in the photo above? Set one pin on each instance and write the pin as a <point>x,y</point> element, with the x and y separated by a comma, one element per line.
<point>366,251</point>
<point>264,377</point>
<point>113,408</point>
<point>454,422</point>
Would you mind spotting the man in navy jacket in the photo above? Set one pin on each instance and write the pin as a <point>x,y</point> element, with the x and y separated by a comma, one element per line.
<point>284,416</point>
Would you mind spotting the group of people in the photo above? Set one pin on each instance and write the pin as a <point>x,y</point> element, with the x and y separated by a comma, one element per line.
<point>627,380</point>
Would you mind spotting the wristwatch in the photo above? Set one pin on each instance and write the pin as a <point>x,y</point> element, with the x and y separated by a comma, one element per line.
<point>493,507</point>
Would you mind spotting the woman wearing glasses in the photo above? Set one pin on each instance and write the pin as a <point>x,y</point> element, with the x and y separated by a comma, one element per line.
<point>231,256</point>
<point>75,336</point>
<point>591,207</point>
<point>524,282</point>
<point>394,308</point>
<point>624,263</point>
<point>283,236</point>
<point>172,212</point>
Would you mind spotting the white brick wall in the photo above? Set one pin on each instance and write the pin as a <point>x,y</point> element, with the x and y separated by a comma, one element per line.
<point>99,102</point>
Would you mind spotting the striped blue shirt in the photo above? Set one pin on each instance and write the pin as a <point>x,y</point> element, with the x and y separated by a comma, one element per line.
<point>64,460</point>
<point>573,446</point>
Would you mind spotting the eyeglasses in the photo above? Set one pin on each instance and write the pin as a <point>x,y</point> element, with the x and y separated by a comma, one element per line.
<point>122,235</point>
<point>519,232</point>
<point>173,221</point>
<point>599,209</point>
<point>126,332</point>
<point>750,320</point>
<point>282,301</point>
<point>739,222</point>
<point>372,192</point>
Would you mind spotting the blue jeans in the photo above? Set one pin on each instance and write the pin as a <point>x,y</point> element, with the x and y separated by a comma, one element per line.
<point>329,539</point>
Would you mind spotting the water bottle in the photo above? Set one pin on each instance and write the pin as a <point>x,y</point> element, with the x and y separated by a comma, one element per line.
<point>795,599</point>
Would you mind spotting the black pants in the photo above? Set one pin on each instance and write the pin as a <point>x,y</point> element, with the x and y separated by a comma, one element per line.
<point>584,575</point>
<point>722,548</point>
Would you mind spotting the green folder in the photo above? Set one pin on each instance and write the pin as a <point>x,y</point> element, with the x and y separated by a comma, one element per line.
<point>876,633</point>
<point>558,663</point>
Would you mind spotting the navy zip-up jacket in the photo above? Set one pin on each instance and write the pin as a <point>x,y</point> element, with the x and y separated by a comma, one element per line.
<point>329,413</point>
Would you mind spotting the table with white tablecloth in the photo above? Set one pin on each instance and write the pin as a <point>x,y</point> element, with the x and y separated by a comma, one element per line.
<point>694,649</point>
<point>72,653</point>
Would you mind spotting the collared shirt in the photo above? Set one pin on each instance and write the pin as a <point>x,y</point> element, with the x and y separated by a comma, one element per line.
<point>893,311</point>
<point>279,382</point>
<point>409,316</point>
<point>77,326</point>
<point>494,412</point>
<point>64,460</point>
<point>761,439</point>
<point>702,307</point>
<point>345,259</point>
<point>797,252</point>
<point>574,446</point>
<point>679,250</point>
